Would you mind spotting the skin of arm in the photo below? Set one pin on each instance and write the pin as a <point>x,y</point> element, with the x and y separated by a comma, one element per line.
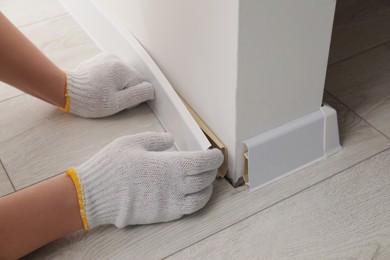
<point>41,78</point>
<point>37,215</point>
<point>44,212</point>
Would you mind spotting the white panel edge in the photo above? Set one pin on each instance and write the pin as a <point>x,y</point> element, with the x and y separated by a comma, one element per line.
<point>289,148</point>
<point>331,135</point>
<point>113,38</point>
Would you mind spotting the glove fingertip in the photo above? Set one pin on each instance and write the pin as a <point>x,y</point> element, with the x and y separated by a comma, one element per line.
<point>157,141</point>
<point>167,141</point>
<point>215,157</point>
<point>134,95</point>
<point>195,201</point>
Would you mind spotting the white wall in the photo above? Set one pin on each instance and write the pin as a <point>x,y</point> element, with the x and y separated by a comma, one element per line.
<point>195,45</point>
<point>283,53</point>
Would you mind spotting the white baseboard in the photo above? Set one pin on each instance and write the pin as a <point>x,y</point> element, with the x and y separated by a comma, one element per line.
<point>113,38</point>
<point>291,147</point>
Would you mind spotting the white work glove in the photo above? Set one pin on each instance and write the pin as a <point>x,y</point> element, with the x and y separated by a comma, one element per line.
<point>103,86</point>
<point>134,180</point>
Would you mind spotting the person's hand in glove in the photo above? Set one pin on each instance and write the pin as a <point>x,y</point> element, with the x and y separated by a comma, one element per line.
<point>103,86</point>
<point>134,180</point>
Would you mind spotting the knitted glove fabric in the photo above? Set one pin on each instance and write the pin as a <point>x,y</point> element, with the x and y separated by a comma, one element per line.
<point>134,180</point>
<point>103,86</point>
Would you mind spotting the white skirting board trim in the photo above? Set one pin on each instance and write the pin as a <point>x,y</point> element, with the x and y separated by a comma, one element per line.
<point>291,147</point>
<point>113,38</point>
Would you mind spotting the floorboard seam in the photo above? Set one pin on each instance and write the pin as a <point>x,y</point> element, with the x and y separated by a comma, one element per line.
<point>292,195</point>
<point>4,100</point>
<point>6,173</point>
<point>45,179</point>
<point>43,20</point>
<point>21,133</point>
<point>356,114</point>
<point>359,53</point>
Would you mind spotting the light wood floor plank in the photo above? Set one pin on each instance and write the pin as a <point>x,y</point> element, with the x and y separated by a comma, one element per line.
<point>5,184</point>
<point>359,25</point>
<point>227,205</point>
<point>7,92</point>
<point>344,217</point>
<point>363,84</point>
<point>22,113</point>
<point>62,40</point>
<point>25,12</point>
<point>61,140</point>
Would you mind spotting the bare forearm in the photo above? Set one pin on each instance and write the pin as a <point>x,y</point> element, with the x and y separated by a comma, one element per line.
<point>24,66</point>
<point>37,215</point>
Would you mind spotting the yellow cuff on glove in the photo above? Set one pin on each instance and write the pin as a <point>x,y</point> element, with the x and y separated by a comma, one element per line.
<point>75,178</point>
<point>66,108</point>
